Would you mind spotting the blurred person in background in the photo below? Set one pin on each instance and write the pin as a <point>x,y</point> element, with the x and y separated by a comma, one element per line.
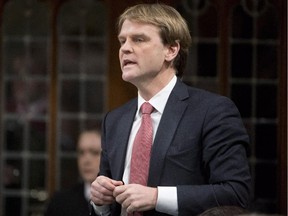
<point>75,201</point>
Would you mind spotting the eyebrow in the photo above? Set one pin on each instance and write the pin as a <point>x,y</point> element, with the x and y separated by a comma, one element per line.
<point>135,35</point>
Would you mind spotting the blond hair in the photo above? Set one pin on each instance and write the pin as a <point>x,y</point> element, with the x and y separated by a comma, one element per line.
<point>173,28</point>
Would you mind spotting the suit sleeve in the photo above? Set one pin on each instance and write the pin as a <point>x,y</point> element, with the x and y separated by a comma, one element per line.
<point>224,159</point>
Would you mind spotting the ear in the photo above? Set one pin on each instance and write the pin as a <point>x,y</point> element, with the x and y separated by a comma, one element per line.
<point>172,51</point>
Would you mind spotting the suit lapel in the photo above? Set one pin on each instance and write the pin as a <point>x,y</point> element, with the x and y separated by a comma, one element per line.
<point>122,135</point>
<point>172,114</point>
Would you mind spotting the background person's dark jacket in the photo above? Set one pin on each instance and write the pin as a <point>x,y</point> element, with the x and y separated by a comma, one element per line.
<point>70,202</point>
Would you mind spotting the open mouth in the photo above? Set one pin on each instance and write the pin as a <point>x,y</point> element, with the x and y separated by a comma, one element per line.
<point>128,62</point>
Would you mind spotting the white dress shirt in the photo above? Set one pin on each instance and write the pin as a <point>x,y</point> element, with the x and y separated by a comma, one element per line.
<point>87,187</point>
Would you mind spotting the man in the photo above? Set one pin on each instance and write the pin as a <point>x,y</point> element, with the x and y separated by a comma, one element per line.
<point>75,201</point>
<point>198,158</point>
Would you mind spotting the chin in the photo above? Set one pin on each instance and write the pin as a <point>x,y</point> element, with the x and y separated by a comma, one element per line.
<point>126,77</point>
<point>130,79</point>
<point>88,178</point>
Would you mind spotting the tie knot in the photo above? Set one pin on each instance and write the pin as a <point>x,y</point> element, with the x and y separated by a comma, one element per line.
<point>146,108</point>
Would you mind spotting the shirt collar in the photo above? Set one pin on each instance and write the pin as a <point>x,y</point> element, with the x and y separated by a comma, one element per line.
<point>159,100</point>
<point>87,190</point>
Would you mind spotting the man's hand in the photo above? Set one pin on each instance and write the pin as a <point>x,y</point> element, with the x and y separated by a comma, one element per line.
<point>135,197</point>
<point>102,190</point>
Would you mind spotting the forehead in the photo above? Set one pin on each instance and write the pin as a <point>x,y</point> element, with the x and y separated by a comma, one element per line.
<point>132,27</point>
<point>89,139</point>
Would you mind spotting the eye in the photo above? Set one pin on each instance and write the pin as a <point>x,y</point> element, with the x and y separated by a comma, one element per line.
<point>138,39</point>
<point>121,42</point>
<point>95,152</point>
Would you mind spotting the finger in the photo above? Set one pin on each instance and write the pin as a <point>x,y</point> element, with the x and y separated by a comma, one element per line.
<point>106,183</point>
<point>119,190</point>
<point>117,183</point>
<point>102,189</point>
<point>102,199</point>
<point>130,209</point>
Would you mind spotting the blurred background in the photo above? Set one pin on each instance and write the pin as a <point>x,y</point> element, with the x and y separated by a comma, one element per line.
<point>60,74</point>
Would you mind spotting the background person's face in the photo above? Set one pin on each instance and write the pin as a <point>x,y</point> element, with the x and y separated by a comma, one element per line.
<point>89,150</point>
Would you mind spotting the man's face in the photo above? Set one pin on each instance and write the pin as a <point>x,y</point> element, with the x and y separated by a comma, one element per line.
<point>89,150</point>
<point>142,53</point>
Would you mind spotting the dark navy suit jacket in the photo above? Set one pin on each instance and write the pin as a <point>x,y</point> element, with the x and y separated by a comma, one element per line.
<point>200,148</point>
<point>69,202</point>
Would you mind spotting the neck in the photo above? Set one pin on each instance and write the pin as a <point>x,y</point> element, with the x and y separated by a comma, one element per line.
<point>151,88</point>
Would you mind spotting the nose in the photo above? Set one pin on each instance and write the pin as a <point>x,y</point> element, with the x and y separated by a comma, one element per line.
<point>126,47</point>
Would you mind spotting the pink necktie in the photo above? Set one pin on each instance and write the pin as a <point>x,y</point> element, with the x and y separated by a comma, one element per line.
<point>142,147</point>
<point>141,150</point>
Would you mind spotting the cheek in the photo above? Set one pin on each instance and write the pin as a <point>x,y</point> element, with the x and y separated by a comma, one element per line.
<point>155,55</point>
<point>80,166</point>
<point>96,160</point>
<point>154,61</point>
<point>119,54</point>
<point>80,162</point>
